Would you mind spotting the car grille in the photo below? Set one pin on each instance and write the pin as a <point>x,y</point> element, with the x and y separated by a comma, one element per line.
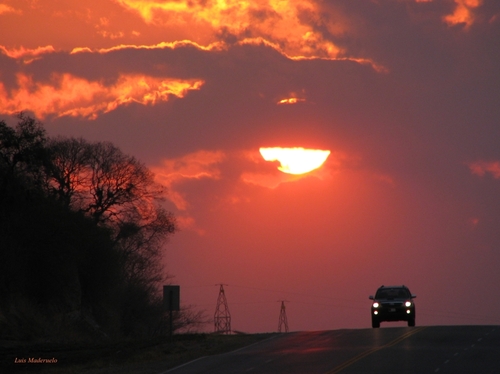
<point>393,304</point>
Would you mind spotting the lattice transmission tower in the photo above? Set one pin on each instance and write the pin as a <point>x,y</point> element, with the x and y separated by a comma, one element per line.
<point>283,322</point>
<point>222,317</point>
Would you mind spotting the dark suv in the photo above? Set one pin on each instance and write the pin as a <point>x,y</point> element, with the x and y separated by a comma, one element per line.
<point>393,303</point>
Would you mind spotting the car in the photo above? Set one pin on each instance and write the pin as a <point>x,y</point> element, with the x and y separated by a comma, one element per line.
<point>393,303</point>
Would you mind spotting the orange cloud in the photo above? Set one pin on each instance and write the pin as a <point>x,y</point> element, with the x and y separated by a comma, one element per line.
<point>186,222</point>
<point>269,180</point>
<point>111,35</point>
<point>291,100</point>
<point>480,168</point>
<point>198,165</point>
<point>8,9</point>
<point>297,29</point>
<point>463,13</point>
<point>67,95</point>
<point>162,45</point>
<point>26,52</point>
<point>289,25</point>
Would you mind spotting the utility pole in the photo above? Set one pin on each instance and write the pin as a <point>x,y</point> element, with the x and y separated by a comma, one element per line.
<point>283,321</point>
<point>222,317</point>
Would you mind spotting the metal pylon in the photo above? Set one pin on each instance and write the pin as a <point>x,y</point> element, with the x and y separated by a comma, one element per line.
<point>222,317</point>
<point>283,322</point>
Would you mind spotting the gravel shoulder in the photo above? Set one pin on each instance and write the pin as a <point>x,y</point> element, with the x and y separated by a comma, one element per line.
<point>126,357</point>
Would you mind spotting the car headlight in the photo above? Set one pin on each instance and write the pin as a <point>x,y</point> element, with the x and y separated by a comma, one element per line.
<point>408,304</point>
<point>376,305</point>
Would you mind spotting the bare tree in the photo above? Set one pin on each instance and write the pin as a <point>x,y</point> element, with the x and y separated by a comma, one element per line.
<point>68,175</point>
<point>118,192</point>
<point>141,245</point>
<point>103,182</point>
<point>120,187</point>
<point>191,320</point>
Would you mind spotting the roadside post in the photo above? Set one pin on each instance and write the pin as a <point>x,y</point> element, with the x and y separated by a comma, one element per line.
<point>171,302</point>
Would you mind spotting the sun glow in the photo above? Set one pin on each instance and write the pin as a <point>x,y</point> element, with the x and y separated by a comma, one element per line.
<point>295,160</point>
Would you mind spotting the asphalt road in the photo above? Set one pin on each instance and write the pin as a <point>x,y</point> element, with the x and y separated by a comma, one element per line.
<point>434,349</point>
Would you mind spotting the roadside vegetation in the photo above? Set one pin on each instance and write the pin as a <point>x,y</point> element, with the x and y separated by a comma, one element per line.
<point>150,356</point>
<point>82,230</point>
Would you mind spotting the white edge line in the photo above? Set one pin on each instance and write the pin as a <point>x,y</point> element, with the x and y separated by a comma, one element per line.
<point>184,364</point>
<point>220,354</point>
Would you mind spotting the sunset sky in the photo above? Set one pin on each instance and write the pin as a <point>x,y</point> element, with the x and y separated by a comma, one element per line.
<point>405,94</point>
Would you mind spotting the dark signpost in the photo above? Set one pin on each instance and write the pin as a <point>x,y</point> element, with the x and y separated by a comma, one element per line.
<point>171,302</point>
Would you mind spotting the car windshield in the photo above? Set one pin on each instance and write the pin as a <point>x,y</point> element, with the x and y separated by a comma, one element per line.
<point>392,293</point>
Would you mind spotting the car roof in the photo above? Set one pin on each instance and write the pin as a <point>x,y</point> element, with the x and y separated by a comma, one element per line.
<point>399,286</point>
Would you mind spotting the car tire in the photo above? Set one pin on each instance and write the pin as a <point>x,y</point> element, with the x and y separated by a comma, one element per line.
<point>375,323</point>
<point>411,322</point>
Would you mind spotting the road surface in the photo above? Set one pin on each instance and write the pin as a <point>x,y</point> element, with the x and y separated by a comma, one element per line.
<point>433,349</point>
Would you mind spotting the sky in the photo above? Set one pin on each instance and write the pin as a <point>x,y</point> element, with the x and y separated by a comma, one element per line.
<point>405,94</point>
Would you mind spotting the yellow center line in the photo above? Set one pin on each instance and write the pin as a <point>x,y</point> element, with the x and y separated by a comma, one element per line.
<point>362,355</point>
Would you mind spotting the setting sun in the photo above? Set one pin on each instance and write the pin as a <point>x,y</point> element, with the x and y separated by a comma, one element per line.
<point>295,160</point>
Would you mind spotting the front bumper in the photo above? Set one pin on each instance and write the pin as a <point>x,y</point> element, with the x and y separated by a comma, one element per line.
<point>393,313</point>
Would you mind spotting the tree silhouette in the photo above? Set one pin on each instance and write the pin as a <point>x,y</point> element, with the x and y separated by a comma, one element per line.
<point>82,231</point>
<point>22,151</point>
<point>116,191</point>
